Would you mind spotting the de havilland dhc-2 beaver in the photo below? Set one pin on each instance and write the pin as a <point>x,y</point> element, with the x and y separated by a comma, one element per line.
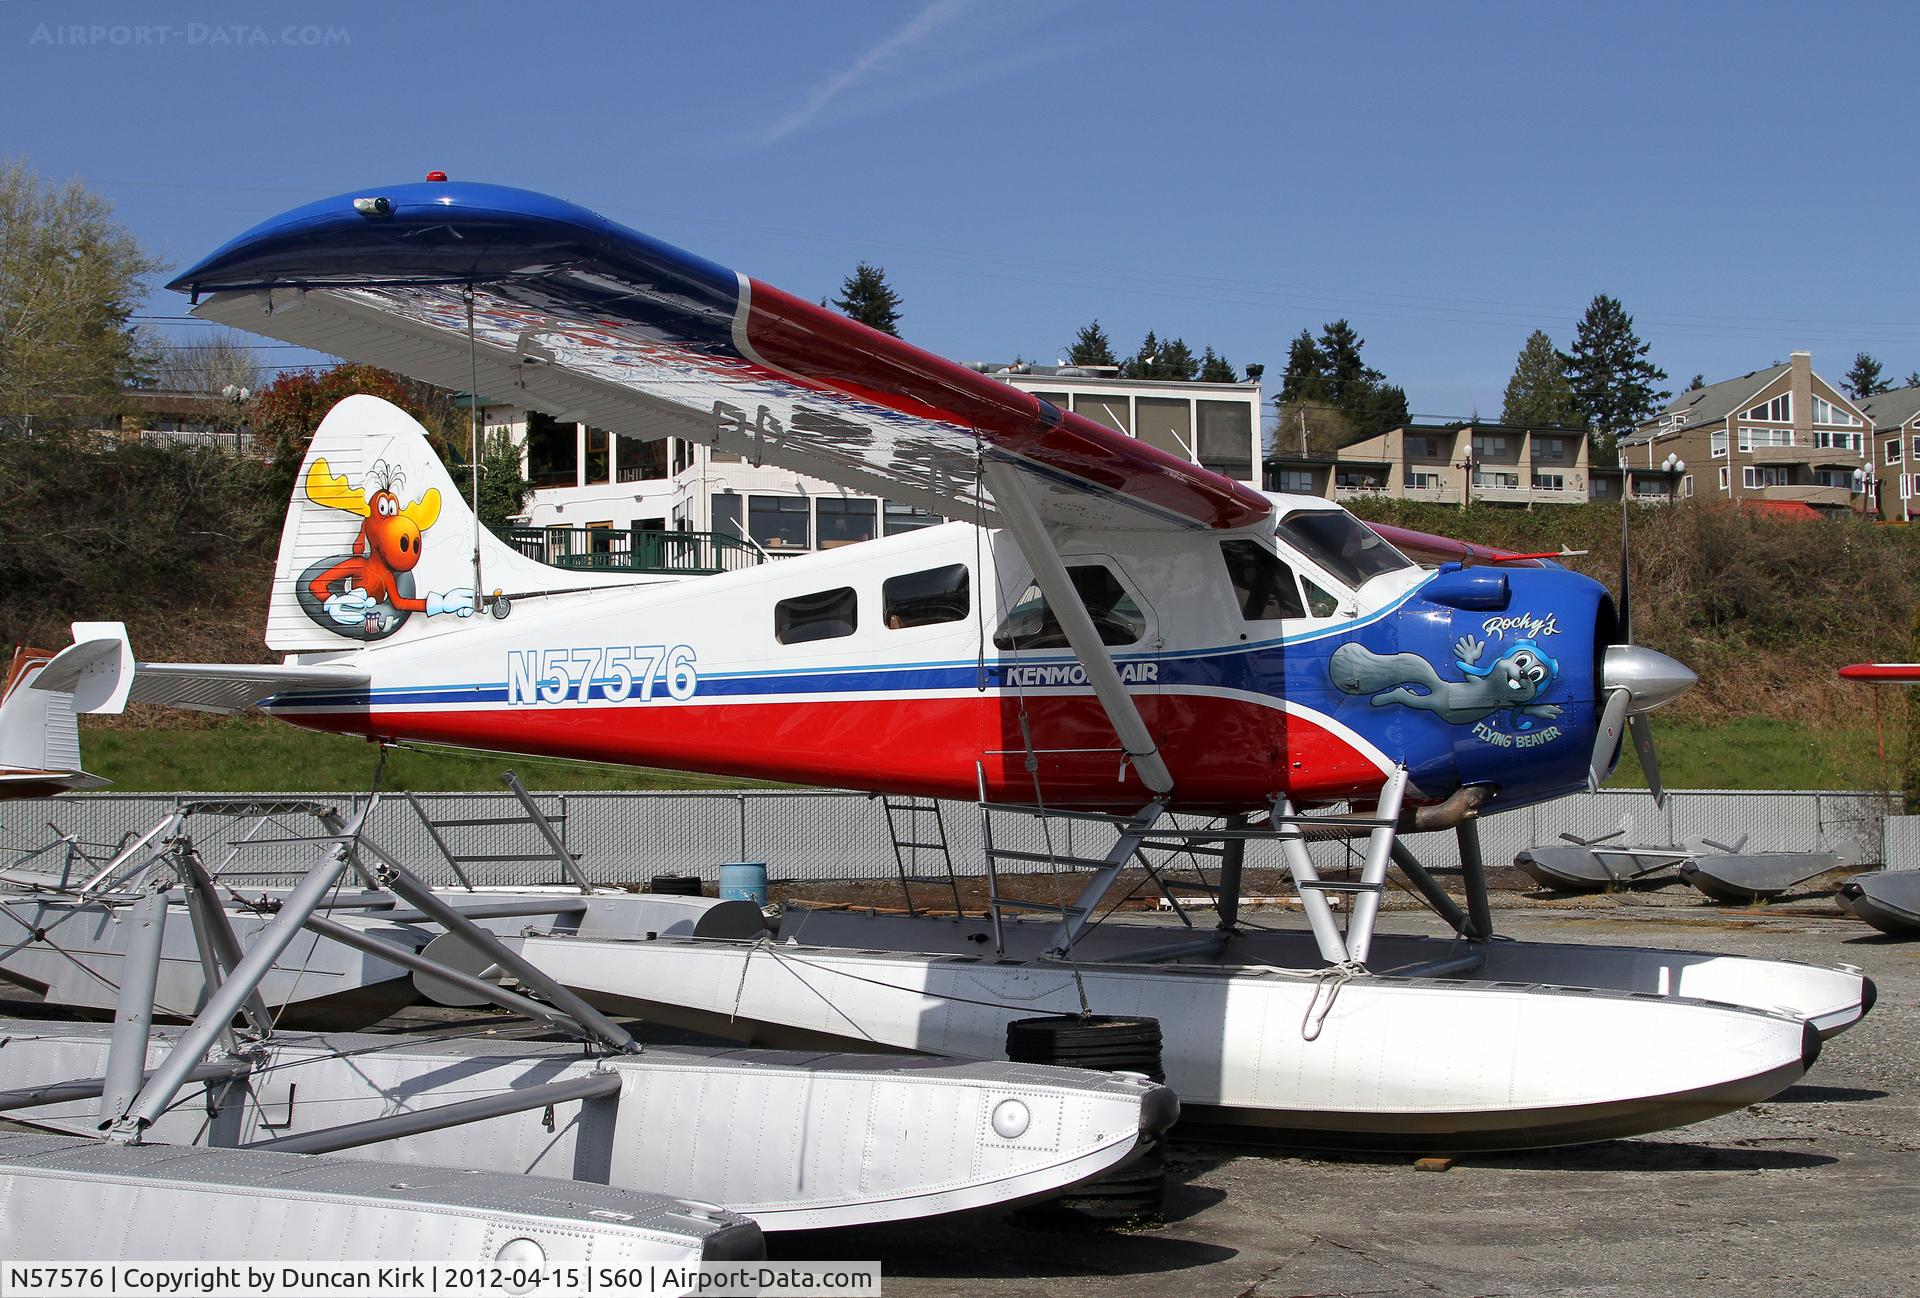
<point>1105,632</point>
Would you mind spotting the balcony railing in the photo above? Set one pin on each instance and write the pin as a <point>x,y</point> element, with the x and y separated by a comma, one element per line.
<point>633,549</point>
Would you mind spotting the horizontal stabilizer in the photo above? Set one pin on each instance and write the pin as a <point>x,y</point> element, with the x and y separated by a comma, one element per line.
<point>99,670</point>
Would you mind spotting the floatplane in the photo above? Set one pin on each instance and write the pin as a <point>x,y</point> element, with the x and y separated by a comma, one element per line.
<point>1106,634</point>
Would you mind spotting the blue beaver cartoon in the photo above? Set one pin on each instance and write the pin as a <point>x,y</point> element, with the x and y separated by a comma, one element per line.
<point>1510,682</point>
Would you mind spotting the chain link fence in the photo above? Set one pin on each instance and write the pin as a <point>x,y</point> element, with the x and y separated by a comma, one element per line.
<point>816,836</point>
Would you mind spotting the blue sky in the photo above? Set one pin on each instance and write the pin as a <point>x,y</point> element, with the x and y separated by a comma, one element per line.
<point>1446,176</point>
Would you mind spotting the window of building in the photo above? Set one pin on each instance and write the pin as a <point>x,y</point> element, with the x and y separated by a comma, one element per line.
<point>1484,479</point>
<point>596,467</point>
<point>637,460</point>
<point>1717,445</point>
<point>1549,482</point>
<point>1752,437</point>
<point>682,454</point>
<point>1111,411</point>
<point>726,514</point>
<point>1264,585</point>
<point>900,518</point>
<point>1342,544</point>
<point>1765,475</point>
<point>1601,487</point>
<point>1359,479</point>
<point>1226,438</point>
<point>925,598</point>
<point>1893,451</point>
<point>1550,448</point>
<point>1825,412</point>
<point>1725,477</point>
<point>1297,481</point>
<point>1166,423</point>
<point>778,522</point>
<point>1916,448</point>
<point>1656,486</point>
<point>553,451</point>
<point>1420,447</point>
<point>1842,478</point>
<point>825,616</point>
<point>1686,485</point>
<point>1778,411</point>
<point>1032,625</point>
<point>1838,441</point>
<point>1488,445</point>
<point>1423,480</point>
<point>843,520</point>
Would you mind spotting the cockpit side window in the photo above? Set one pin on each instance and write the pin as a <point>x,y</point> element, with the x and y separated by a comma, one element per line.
<point>1032,625</point>
<point>1342,544</point>
<point>1264,585</point>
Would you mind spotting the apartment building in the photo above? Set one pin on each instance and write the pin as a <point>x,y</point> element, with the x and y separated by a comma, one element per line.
<point>1456,463</point>
<point>592,485</point>
<point>1778,434</point>
<point>1895,417</point>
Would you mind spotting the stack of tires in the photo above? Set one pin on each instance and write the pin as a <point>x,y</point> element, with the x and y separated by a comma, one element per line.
<point>1109,1044</point>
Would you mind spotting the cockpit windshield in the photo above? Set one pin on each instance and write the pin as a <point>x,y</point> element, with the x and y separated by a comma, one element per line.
<point>1341,544</point>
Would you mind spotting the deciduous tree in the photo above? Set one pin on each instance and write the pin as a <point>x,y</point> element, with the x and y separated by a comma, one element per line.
<point>70,275</point>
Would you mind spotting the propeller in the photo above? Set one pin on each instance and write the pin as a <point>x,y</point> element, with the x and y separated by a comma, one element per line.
<point>1634,680</point>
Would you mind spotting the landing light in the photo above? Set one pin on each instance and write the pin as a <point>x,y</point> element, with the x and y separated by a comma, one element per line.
<point>373,206</point>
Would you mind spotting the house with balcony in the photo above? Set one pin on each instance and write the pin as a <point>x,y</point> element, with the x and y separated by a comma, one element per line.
<point>600,494</point>
<point>1895,417</point>
<point>1782,434</point>
<point>1450,463</point>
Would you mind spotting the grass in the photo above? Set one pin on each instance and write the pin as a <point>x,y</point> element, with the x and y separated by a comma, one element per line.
<point>1762,753</point>
<point>245,755</point>
<point>257,755</point>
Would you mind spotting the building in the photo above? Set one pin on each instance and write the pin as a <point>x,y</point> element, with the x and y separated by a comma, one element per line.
<point>591,485</point>
<point>1895,417</point>
<point>1453,463</point>
<point>1778,434</point>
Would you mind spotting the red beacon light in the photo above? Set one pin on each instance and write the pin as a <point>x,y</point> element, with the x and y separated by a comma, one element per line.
<point>437,177</point>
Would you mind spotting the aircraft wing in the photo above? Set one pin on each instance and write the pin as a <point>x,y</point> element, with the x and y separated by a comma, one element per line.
<point>1429,548</point>
<point>585,319</point>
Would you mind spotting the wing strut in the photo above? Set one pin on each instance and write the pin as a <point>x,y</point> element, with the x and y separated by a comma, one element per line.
<point>1023,522</point>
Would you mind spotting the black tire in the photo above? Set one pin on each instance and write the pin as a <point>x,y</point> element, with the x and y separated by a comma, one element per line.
<point>677,885</point>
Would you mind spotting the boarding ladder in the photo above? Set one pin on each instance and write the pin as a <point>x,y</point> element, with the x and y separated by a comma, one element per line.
<point>1102,871</point>
<point>918,831</point>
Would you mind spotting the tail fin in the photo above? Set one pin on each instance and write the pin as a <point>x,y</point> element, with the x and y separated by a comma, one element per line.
<point>379,543</point>
<point>39,740</point>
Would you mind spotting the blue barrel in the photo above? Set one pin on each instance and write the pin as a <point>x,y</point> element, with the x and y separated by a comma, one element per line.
<point>744,881</point>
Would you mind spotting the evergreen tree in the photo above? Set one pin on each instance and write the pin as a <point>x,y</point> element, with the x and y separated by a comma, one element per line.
<point>1611,376</point>
<point>1171,359</point>
<point>1864,380</point>
<point>1538,393</point>
<point>1697,382</point>
<point>1091,346</point>
<point>1345,372</point>
<point>867,297</point>
<point>1913,379</point>
<point>1215,369</point>
<point>1305,376</point>
<point>503,482</point>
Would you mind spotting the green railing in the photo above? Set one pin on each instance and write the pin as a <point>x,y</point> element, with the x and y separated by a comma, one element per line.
<point>632,549</point>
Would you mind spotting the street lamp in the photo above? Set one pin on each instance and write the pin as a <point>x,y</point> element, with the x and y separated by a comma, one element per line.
<point>1673,466</point>
<point>237,396</point>
<point>1860,490</point>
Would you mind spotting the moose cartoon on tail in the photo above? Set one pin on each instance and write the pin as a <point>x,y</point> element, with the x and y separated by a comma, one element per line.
<point>369,594</point>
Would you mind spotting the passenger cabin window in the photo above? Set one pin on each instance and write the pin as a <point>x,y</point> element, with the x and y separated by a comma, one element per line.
<point>926,598</point>
<point>1264,585</point>
<point>1342,544</point>
<point>825,616</point>
<point>1319,602</point>
<point>1032,625</point>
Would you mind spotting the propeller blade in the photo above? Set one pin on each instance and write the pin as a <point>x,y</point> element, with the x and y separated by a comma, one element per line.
<point>1643,745</point>
<point>1607,739</point>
